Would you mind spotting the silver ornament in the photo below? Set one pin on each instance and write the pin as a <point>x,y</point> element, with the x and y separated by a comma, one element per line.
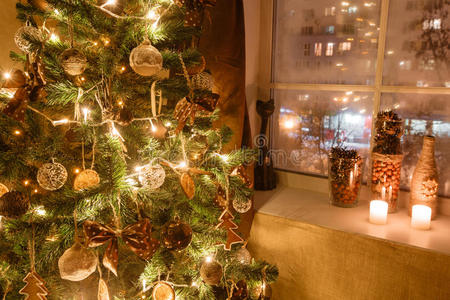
<point>202,81</point>
<point>52,176</point>
<point>242,206</point>
<point>24,34</point>
<point>77,263</point>
<point>152,177</point>
<point>73,62</point>
<point>145,59</point>
<point>243,256</point>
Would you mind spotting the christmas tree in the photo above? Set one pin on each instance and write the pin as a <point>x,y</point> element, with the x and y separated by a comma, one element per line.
<point>110,165</point>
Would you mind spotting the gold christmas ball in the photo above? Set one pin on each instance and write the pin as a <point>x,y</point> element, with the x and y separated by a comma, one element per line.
<point>13,204</point>
<point>176,235</point>
<point>77,263</point>
<point>24,35</point>
<point>52,176</point>
<point>73,62</point>
<point>145,59</point>
<point>152,177</point>
<point>163,291</point>
<point>3,189</point>
<point>211,272</point>
<point>86,180</point>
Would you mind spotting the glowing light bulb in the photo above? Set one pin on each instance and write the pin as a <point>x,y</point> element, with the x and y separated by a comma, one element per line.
<point>95,43</point>
<point>26,182</point>
<point>57,12</point>
<point>7,75</point>
<point>35,191</point>
<point>182,165</point>
<point>349,93</point>
<point>208,259</point>
<point>224,157</point>
<point>59,122</point>
<point>151,15</point>
<point>17,132</point>
<point>109,2</point>
<point>115,132</point>
<point>194,284</point>
<point>54,37</point>
<point>40,211</point>
<point>362,111</point>
<point>86,113</point>
<point>123,69</point>
<point>168,124</point>
<point>76,171</point>
<point>288,124</point>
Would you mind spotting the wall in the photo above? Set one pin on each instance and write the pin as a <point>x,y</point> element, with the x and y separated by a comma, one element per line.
<point>9,25</point>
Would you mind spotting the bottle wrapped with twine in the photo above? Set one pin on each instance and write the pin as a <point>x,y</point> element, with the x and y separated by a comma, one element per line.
<point>425,183</point>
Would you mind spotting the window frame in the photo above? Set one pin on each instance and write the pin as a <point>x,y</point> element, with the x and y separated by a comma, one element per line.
<point>266,77</point>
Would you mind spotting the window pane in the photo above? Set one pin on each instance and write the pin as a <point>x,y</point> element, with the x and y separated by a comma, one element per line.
<point>423,115</point>
<point>325,41</point>
<point>308,123</point>
<point>417,44</point>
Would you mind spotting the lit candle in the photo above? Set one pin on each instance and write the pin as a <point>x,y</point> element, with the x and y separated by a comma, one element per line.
<point>421,217</point>
<point>378,212</point>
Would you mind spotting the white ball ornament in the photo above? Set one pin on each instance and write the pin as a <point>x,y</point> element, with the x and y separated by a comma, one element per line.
<point>242,206</point>
<point>52,176</point>
<point>243,256</point>
<point>77,263</point>
<point>152,177</point>
<point>145,59</point>
<point>24,34</point>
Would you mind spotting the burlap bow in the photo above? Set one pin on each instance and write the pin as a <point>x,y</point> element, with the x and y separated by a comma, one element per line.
<point>136,236</point>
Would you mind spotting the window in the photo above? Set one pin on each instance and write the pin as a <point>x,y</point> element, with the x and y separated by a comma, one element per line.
<point>307,30</point>
<point>306,50</point>
<point>318,49</point>
<point>329,51</point>
<point>345,46</point>
<point>343,90</point>
<point>330,11</point>
<point>329,29</point>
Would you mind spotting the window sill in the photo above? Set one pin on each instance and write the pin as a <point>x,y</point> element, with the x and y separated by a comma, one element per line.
<point>312,206</point>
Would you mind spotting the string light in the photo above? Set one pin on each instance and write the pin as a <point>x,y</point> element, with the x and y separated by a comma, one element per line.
<point>115,132</point>
<point>57,12</point>
<point>76,171</point>
<point>86,113</point>
<point>95,43</point>
<point>224,157</point>
<point>289,124</point>
<point>123,69</point>
<point>151,15</point>
<point>194,284</point>
<point>54,37</point>
<point>208,259</point>
<point>26,182</point>
<point>40,211</point>
<point>109,2</point>
<point>17,132</point>
<point>168,124</point>
<point>59,122</point>
<point>7,75</point>
<point>181,165</point>
<point>36,191</point>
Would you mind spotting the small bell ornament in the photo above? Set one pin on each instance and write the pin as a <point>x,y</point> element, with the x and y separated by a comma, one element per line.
<point>145,59</point>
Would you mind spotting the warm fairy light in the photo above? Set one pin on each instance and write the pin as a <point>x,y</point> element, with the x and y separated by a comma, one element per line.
<point>123,69</point>
<point>109,2</point>
<point>345,99</point>
<point>86,113</point>
<point>168,124</point>
<point>95,43</point>
<point>362,111</point>
<point>151,15</point>
<point>144,285</point>
<point>76,171</point>
<point>349,93</point>
<point>54,37</point>
<point>40,211</point>
<point>56,12</point>
<point>154,128</point>
<point>36,191</point>
<point>397,106</point>
<point>208,259</point>
<point>115,132</point>
<point>181,165</point>
<point>7,75</point>
<point>345,3</point>
<point>17,132</point>
<point>224,157</point>
<point>83,78</point>
<point>390,52</point>
<point>106,42</point>
<point>339,64</point>
<point>194,284</point>
<point>120,102</point>
<point>59,122</point>
<point>26,182</point>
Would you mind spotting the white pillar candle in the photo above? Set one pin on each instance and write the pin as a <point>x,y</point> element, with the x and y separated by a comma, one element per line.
<point>378,212</point>
<point>421,217</point>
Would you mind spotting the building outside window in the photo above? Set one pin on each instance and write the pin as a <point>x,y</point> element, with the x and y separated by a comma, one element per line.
<point>307,49</point>
<point>407,72</point>
<point>329,29</point>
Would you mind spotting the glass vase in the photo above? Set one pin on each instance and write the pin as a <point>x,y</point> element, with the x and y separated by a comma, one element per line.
<point>344,177</point>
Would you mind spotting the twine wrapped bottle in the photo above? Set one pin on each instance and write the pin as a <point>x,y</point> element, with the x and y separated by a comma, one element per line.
<point>425,183</point>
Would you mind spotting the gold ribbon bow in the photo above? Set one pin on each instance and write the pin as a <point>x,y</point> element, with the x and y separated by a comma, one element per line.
<point>136,236</point>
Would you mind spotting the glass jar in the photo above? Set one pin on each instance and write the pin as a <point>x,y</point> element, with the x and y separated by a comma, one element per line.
<point>344,177</point>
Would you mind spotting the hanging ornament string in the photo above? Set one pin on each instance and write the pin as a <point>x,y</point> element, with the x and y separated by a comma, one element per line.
<point>153,98</point>
<point>186,75</point>
<point>75,224</point>
<point>77,109</point>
